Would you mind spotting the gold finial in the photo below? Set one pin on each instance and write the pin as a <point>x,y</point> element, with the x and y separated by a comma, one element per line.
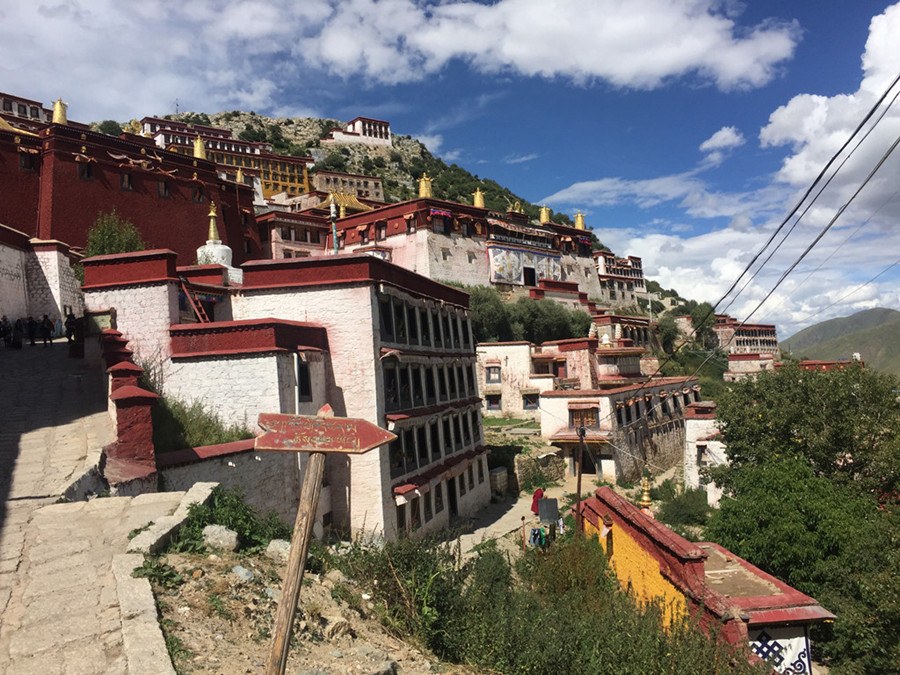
<point>425,186</point>
<point>645,493</point>
<point>517,207</point>
<point>579,221</point>
<point>136,127</point>
<point>342,211</point>
<point>478,198</point>
<point>545,214</point>
<point>199,148</point>
<point>59,112</point>
<point>213,230</point>
<point>240,175</point>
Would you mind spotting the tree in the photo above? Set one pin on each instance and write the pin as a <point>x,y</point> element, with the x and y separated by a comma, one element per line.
<point>252,134</point>
<point>111,233</point>
<point>811,497</point>
<point>109,127</point>
<point>668,333</point>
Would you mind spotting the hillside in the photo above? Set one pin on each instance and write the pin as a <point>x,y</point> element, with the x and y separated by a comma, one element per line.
<point>399,167</point>
<point>872,333</point>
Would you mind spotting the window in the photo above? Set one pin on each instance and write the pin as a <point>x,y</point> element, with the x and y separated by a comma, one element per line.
<point>425,323</point>
<point>409,449</point>
<point>286,233</point>
<point>430,394</point>
<point>412,323</point>
<point>7,105</point>
<point>387,319</point>
<point>422,445</point>
<point>492,401</point>
<point>471,473</point>
<point>428,514</point>
<point>162,189</point>
<point>26,161</point>
<point>395,454</point>
<point>492,374</point>
<point>22,109</point>
<point>381,231</point>
<point>462,485</point>
<point>438,497</point>
<point>588,417</point>
<point>530,401</point>
<point>410,225</point>
<point>304,385</point>
<point>126,182</point>
<point>85,171</point>
<point>415,516</point>
<point>340,240</point>
<point>364,236</point>
<point>288,254</point>
<point>391,387</point>
<point>435,442</point>
<point>480,470</point>
<point>197,195</point>
<point>448,437</point>
<point>401,517</point>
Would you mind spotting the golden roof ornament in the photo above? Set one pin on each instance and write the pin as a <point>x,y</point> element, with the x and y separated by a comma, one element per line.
<point>478,198</point>
<point>136,127</point>
<point>545,214</point>
<point>240,175</point>
<point>517,207</point>
<point>199,148</point>
<point>579,221</point>
<point>213,230</point>
<point>425,186</point>
<point>59,112</point>
<point>645,493</point>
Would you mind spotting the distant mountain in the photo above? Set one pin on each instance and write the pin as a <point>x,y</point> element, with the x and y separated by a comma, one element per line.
<point>873,333</point>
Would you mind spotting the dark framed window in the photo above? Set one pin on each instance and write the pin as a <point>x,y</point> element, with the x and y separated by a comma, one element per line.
<point>391,387</point>
<point>480,470</point>
<point>364,236</point>
<point>85,171</point>
<point>401,517</point>
<point>26,161</point>
<point>435,442</point>
<point>7,105</point>
<point>386,314</point>
<point>422,445</point>
<point>471,474</point>
<point>492,374</point>
<point>412,324</point>
<point>162,189</point>
<point>409,450</point>
<point>492,401</point>
<point>126,182</point>
<point>462,485</point>
<point>197,195</point>
<point>428,514</point>
<point>448,437</point>
<point>395,454</point>
<point>410,225</point>
<point>23,110</point>
<point>530,401</point>
<point>415,515</point>
<point>380,231</point>
<point>304,384</point>
<point>588,417</point>
<point>438,497</point>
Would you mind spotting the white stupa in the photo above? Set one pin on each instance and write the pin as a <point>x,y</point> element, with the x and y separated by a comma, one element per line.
<point>214,252</point>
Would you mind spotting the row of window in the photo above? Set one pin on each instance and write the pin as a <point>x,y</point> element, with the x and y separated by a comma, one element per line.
<point>21,109</point>
<point>309,236</point>
<point>126,180</point>
<point>409,386</point>
<point>667,405</point>
<point>403,323</point>
<point>418,446</point>
<point>433,501</point>
<point>495,401</point>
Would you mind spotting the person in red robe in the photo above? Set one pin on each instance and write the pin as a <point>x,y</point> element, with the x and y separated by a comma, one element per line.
<point>538,494</point>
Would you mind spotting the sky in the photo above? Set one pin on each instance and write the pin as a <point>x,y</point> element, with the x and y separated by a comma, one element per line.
<point>685,130</point>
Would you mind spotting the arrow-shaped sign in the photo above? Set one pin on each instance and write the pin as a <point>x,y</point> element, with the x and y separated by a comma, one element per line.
<point>304,433</point>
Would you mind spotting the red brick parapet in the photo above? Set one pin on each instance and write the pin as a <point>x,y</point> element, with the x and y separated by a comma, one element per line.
<point>223,338</point>
<point>124,373</point>
<point>129,269</point>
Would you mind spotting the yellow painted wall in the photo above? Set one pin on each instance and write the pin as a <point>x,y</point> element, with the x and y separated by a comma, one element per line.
<point>631,563</point>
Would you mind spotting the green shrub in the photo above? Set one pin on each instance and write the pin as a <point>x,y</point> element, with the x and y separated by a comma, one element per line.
<point>178,425</point>
<point>227,507</point>
<point>688,508</point>
<point>665,491</point>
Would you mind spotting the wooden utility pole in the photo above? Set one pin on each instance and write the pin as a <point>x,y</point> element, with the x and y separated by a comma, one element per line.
<point>578,520</point>
<point>317,436</point>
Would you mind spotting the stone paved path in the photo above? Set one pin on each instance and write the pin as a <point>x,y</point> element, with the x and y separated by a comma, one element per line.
<point>58,607</point>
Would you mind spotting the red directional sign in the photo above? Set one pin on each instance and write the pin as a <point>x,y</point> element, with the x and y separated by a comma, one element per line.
<point>304,433</point>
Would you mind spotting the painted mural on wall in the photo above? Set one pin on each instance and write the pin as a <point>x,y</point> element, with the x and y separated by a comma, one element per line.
<point>786,648</point>
<point>13,294</point>
<point>507,265</point>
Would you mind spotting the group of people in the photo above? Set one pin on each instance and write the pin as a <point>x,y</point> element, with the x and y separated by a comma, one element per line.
<point>14,334</point>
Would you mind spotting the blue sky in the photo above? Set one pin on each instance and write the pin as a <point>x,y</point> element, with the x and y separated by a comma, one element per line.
<point>685,130</point>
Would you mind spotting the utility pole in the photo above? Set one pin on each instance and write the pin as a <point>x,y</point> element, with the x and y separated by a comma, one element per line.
<point>333,211</point>
<point>579,527</point>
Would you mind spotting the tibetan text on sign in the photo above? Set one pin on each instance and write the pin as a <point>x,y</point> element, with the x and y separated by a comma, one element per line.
<point>302,433</point>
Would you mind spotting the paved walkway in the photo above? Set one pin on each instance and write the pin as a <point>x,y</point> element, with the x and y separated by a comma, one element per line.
<point>59,610</point>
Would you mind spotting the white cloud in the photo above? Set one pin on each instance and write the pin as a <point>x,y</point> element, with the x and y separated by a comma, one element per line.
<point>725,138</point>
<point>521,159</point>
<point>431,141</point>
<point>129,60</point>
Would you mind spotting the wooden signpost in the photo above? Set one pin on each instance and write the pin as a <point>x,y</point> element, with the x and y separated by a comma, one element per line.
<point>316,435</point>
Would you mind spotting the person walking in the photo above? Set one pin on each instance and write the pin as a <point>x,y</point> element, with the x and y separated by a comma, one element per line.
<point>31,330</point>
<point>5,330</point>
<point>18,333</point>
<point>47,331</point>
<point>70,327</point>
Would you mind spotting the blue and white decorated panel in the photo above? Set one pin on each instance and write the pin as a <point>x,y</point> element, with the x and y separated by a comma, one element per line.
<point>785,648</point>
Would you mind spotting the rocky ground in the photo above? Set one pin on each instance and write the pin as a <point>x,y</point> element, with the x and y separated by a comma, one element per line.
<point>217,613</point>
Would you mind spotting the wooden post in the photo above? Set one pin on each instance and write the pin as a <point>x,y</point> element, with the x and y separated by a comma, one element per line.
<point>293,576</point>
<point>523,535</point>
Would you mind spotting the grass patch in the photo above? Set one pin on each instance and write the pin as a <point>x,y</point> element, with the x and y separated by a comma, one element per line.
<point>227,507</point>
<point>178,425</point>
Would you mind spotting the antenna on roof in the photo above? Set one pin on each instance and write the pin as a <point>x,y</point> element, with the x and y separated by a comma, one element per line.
<point>176,106</point>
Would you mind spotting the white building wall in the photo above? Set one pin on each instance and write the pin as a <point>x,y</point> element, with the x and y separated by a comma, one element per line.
<point>698,432</point>
<point>13,286</point>
<point>515,375</point>
<point>143,316</point>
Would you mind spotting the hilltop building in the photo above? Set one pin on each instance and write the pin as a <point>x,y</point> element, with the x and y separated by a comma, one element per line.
<point>621,279</point>
<point>703,447</point>
<point>373,340</point>
<point>362,130</point>
<point>727,596</point>
<point>255,160</point>
<point>21,111</point>
<point>366,187</point>
<point>59,178</point>
<point>751,365</point>
<point>749,338</point>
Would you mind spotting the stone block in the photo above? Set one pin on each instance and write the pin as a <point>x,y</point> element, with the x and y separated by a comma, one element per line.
<point>219,536</point>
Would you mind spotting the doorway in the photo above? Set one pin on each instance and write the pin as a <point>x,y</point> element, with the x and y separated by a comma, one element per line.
<point>451,497</point>
<point>530,276</point>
